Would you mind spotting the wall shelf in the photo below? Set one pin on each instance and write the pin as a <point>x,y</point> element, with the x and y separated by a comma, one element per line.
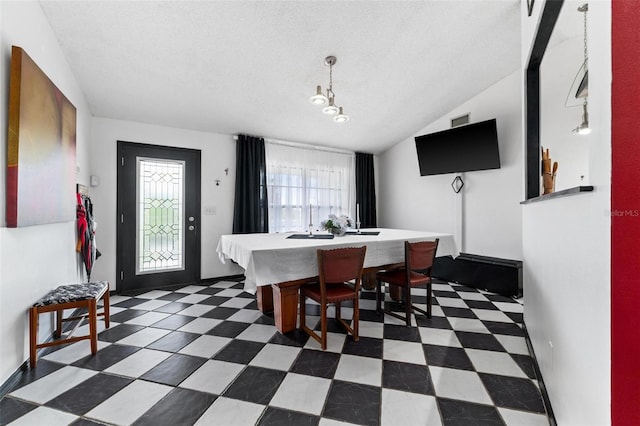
<point>559,194</point>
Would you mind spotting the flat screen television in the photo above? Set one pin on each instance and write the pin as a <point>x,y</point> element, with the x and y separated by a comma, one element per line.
<point>460,149</point>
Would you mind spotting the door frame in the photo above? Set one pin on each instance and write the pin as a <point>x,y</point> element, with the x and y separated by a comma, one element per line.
<point>120,240</point>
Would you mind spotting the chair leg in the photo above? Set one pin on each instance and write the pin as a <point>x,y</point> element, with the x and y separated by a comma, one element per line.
<point>58,331</point>
<point>105,308</point>
<point>407,302</point>
<point>33,336</point>
<point>378,296</point>
<point>323,327</point>
<point>303,312</point>
<point>338,311</point>
<point>356,319</point>
<point>429,300</point>
<point>93,326</point>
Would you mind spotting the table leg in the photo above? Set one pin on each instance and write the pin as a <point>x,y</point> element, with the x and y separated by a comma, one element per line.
<point>264,296</point>
<point>285,307</point>
<point>369,279</point>
<point>395,292</point>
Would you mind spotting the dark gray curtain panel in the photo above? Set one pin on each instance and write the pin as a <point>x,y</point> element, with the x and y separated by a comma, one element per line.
<point>251,210</point>
<point>366,190</point>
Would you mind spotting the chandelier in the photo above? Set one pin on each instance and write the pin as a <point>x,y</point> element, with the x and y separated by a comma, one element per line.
<point>583,90</point>
<point>329,99</point>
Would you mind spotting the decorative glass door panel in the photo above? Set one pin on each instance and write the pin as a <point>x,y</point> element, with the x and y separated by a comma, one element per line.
<point>160,215</point>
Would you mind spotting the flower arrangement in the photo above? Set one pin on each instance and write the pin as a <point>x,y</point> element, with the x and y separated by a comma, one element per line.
<point>337,225</point>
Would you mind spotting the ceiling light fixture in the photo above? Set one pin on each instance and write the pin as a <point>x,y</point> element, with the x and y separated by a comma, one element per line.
<point>583,128</point>
<point>583,91</point>
<point>341,117</point>
<point>321,99</point>
<point>318,98</point>
<point>330,109</point>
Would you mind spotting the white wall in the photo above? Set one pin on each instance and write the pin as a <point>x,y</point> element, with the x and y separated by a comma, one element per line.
<point>218,153</point>
<point>566,247</point>
<point>490,198</point>
<point>34,259</point>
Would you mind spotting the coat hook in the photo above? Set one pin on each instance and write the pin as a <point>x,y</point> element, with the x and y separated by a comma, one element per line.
<point>217,181</point>
<point>226,171</point>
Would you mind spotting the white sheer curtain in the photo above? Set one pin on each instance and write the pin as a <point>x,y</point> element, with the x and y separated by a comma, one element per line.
<point>301,178</point>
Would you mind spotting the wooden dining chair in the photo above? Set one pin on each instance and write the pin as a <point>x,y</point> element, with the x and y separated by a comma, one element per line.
<point>418,261</point>
<point>339,277</point>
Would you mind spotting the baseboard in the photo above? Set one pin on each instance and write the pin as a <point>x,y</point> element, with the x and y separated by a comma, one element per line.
<point>8,385</point>
<point>543,389</point>
<point>237,277</point>
<point>173,287</point>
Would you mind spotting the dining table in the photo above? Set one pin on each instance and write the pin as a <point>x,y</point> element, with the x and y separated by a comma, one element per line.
<point>277,264</point>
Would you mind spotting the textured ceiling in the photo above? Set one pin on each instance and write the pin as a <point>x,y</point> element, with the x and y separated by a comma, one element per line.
<point>250,66</point>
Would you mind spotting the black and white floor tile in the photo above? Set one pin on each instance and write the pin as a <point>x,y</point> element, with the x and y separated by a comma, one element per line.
<point>204,355</point>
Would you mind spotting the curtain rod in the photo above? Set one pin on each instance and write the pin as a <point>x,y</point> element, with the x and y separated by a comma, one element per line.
<point>303,145</point>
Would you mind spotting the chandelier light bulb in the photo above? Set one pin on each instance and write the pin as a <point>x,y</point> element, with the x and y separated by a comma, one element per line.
<point>319,98</point>
<point>330,109</point>
<point>583,128</point>
<point>341,117</point>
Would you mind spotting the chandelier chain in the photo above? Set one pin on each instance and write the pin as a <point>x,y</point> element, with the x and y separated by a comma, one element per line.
<point>331,80</point>
<point>586,8</point>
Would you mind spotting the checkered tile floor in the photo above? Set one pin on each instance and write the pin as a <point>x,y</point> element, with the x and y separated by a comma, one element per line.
<point>205,355</point>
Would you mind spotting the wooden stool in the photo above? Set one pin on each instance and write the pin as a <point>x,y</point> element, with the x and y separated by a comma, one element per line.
<point>74,296</point>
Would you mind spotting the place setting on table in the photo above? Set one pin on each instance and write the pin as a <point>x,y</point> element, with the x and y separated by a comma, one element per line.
<point>336,226</point>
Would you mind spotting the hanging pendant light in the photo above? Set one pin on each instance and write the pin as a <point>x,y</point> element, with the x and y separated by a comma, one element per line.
<point>321,99</point>
<point>330,109</point>
<point>341,117</point>
<point>583,128</point>
<point>583,90</point>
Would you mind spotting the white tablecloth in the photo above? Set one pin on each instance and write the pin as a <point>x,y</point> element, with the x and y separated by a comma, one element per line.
<point>272,258</point>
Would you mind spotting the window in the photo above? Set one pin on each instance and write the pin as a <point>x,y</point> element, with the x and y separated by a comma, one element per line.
<point>160,211</point>
<point>300,179</point>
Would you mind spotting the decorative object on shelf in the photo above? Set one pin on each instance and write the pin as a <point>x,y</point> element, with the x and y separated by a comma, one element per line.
<point>548,173</point>
<point>337,225</point>
<point>320,99</point>
<point>583,88</point>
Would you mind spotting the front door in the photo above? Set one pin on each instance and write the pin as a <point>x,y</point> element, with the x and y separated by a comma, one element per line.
<point>158,236</point>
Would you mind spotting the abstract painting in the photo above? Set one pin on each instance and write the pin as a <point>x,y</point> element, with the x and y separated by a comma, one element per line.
<point>41,152</point>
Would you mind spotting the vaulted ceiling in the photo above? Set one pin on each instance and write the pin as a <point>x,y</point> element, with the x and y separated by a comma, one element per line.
<point>250,66</point>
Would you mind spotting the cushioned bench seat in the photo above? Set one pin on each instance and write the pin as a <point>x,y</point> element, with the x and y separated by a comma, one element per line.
<point>73,296</point>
